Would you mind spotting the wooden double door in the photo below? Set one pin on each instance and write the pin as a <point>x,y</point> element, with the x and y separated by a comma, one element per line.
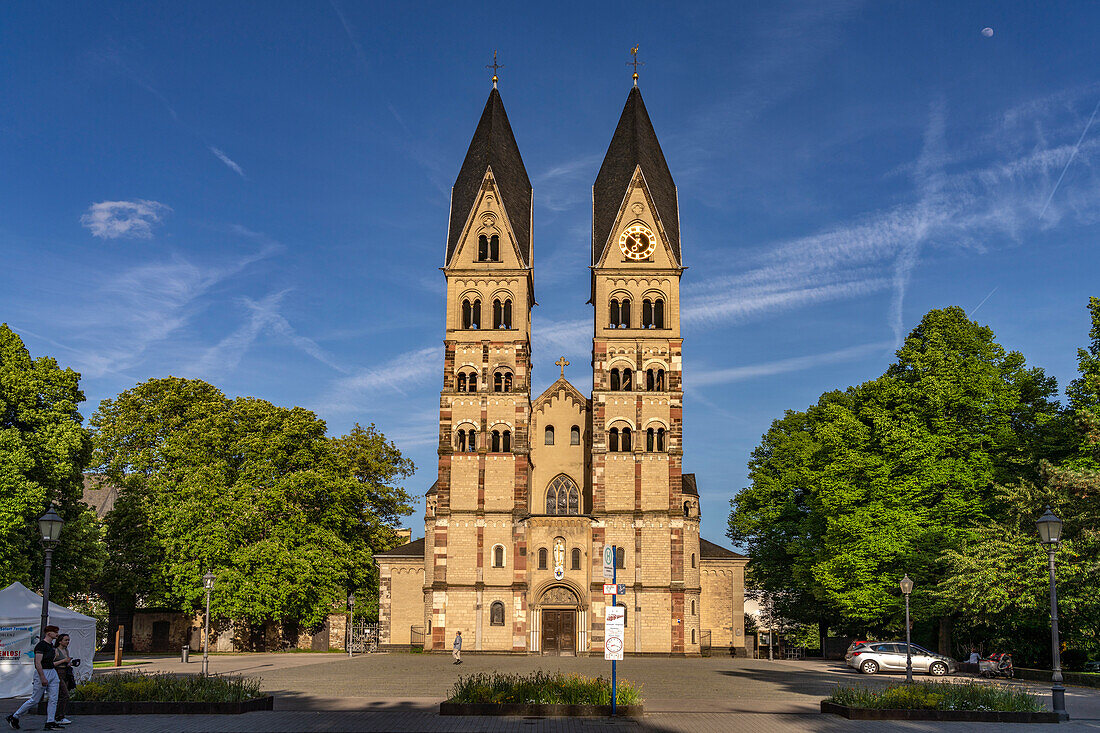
<point>559,632</point>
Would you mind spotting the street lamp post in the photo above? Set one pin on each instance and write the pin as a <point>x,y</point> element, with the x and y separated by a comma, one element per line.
<point>49,525</point>
<point>1050,534</point>
<point>351,621</point>
<point>208,583</point>
<point>907,588</point>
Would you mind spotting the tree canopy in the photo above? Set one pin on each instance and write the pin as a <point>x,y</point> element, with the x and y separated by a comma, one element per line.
<point>286,517</point>
<point>43,451</point>
<point>887,477</point>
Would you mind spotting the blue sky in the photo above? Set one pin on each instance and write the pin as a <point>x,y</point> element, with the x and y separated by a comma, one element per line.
<point>256,194</point>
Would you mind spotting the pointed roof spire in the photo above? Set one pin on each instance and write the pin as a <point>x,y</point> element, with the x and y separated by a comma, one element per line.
<point>634,144</point>
<point>493,146</point>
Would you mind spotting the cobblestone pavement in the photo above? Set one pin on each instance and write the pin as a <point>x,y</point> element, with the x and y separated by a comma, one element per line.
<point>401,692</point>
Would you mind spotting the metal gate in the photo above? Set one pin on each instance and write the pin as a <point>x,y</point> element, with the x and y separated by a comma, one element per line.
<point>416,637</point>
<point>364,637</point>
<point>704,643</point>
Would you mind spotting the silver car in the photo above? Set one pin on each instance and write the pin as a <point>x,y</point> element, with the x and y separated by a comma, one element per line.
<point>889,656</point>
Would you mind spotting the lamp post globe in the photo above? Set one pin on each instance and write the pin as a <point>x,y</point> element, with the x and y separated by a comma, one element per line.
<point>50,525</point>
<point>1050,534</point>
<point>907,588</point>
<point>208,583</point>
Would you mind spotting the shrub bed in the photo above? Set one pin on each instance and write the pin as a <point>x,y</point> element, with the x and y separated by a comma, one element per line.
<point>939,696</point>
<point>541,688</point>
<point>162,687</point>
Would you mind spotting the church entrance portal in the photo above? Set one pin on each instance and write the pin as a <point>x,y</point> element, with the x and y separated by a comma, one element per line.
<point>559,632</point>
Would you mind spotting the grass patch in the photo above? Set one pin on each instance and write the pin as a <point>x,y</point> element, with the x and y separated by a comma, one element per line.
<point>111,663</point>
<point>541,687</point>
<point>163,687</point>
<point>939,696</point>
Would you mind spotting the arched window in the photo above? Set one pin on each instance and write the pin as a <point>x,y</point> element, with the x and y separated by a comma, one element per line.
<point>467,441</point>
<point>693,608</point>
<point>498,556</point>
<point>650,439</point>
<point>613,440</point>
<point>628,379</point>
<point>624,313</point>
<point>649,379</point>
<point>495,441</point>
<point>542,558</point>
<point>613,318</point>
<point>471,382</point>
<point>498,313</point>
<point>507,381</point>
<point>494,248</point>
<point>659,313</point>
<point>693,559</point>
<point>502,381</point>
<point>687,508</point>
<point>661,439</point>
<point>496,612</point>
<point>693,633</point>
<point>624,440</point>
<point>616,380</point>
<point>471,313</point>
<point>460,441</point>
<point>575,557</point>
<point>466,381</point>
<point>647,313</point>
<point>575,435</point>
<point>507,444</point>
<point>620,558</point>
<point>660,380</point>
<point>562,496</point>
<point>460,382</point>
<point>549,435</point>
<point>508,313</point>
<point>482,248</point>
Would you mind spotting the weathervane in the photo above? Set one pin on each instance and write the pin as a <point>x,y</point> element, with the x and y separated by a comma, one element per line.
<point>494,66</point>
<point>635,63</point>
<point>563,364</point>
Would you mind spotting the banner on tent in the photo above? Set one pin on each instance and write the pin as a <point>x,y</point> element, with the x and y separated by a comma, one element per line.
<point>17,643</point>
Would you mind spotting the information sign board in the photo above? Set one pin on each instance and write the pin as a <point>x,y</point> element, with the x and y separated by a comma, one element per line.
<point>613,589</point>
<point>614,632</point>
<point>608,561</point>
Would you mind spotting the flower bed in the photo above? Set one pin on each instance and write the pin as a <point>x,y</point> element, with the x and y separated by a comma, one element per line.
<point>972,701</point>
<point>541,694</point>
<point>134,693</point>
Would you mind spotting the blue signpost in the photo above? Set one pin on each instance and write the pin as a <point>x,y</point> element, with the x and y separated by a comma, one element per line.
<point>615,580</point>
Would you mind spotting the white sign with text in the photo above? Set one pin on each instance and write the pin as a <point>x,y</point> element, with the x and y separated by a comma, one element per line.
<point>614,632</point>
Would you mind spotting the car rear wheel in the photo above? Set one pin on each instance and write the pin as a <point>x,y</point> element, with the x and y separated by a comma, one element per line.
<point>937,669</point>
<point>869,667</point>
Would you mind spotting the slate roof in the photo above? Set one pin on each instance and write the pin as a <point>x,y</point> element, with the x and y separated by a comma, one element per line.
<point>493,146</point>
<point>688,484</point>
<point>412,549</point>
<point>633,144</point>
<point>432,490</point>
<point>709,550</point>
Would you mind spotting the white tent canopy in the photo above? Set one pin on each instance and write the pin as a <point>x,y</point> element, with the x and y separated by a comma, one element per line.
<point>20,616</point>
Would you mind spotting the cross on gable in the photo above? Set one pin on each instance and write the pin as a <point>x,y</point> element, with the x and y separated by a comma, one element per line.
<point>563,364</point>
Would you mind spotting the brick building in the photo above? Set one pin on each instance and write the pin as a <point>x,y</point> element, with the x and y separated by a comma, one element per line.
<point>529,491</point>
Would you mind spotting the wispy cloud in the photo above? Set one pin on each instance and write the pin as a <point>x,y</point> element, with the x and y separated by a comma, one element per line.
<point>263,317</point>
<point>124,219</point>
<point>705,377</point>
<point>408,370</point>
<point>229,162</point>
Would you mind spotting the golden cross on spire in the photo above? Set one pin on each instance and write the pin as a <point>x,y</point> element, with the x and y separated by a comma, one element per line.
<point>494,66</point>
<point>563,364</point>
<point>635,63</point>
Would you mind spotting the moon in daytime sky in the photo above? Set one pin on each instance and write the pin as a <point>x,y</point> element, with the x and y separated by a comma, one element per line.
<point>987,32</point>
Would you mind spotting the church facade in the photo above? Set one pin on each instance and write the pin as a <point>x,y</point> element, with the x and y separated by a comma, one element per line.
<point>531,489</point>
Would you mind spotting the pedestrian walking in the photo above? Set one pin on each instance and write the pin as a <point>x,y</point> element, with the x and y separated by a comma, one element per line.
<point>45,681</point>
<point>63,663</point>
<point>456,648</point>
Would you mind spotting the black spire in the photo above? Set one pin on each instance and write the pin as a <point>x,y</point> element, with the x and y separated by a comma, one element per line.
<point>494,146</point>
<point>633,144</point>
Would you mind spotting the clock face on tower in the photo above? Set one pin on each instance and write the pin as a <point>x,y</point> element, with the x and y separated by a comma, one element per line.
<point>637,242</point>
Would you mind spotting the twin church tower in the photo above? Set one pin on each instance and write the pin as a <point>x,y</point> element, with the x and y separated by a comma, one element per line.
<point>529,491</point>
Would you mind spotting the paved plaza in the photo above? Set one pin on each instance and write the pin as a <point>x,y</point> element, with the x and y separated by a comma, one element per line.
<point>401,692</point>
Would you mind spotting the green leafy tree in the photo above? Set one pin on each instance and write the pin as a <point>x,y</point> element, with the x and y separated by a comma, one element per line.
<point>43,452</point>
<point>884,478</point>
<point>286,517</point>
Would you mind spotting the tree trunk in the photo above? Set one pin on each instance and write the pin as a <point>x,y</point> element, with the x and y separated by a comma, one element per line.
<point>947,625</point>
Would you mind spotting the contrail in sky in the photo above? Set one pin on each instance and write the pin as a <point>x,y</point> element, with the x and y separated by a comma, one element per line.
<point>1071,157</point>
<point>979,305</point>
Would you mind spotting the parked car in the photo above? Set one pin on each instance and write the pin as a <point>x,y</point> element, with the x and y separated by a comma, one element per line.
<point>854,645</point>
<point>889,656</point>
<point>1092,666</point>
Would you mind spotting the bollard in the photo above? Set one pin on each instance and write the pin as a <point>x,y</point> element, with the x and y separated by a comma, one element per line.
<point>185,654</point>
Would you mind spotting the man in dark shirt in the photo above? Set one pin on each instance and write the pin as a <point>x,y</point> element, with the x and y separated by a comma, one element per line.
<point>45,680</point>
